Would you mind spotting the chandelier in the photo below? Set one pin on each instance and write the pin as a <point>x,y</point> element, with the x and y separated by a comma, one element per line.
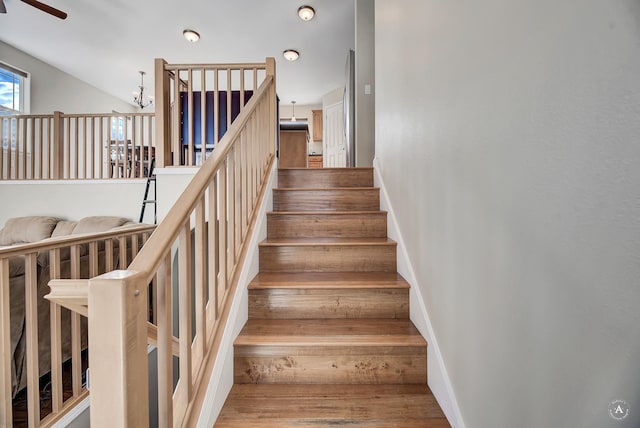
<point>139,97</point>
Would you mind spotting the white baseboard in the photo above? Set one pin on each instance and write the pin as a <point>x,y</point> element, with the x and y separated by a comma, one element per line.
<point>438,378</point>
<point>222,376</point>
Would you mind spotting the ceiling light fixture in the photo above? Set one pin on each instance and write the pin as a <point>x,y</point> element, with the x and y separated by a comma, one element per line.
<point>291,54</point>
<point>293,111</point>
<point>139,97</point>
<point>191,35</point>
<point>306,13</point>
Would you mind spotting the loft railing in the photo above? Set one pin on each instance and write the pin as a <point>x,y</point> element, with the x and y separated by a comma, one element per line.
<point>196,105</point>
<point>197,251</point>
<point>39,337</point>
<point>63,146</point>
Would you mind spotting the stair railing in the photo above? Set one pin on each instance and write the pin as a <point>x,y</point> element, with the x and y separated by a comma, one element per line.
<point>33,344</point>
<point>196,105</point>
<point>80,146</point>
<point>197,251</point>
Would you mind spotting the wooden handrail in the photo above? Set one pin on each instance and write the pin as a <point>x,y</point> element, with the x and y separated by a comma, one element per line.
<point>69,240</point>
<point>229,66</point>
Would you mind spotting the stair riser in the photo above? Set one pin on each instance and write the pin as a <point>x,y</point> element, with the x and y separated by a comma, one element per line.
<point>326,200</point>
<point>327,177</point>
<point>330,364</point>
<point>372,225</point>
<point>331,303</point>
<point>328,258</point>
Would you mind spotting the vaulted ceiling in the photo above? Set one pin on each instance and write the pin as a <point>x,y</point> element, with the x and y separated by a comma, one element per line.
<point>105,43</point>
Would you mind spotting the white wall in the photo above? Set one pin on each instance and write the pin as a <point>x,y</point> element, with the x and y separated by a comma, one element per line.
<point>72,200</point>
<point>52,89</point>
<point>507,136</point>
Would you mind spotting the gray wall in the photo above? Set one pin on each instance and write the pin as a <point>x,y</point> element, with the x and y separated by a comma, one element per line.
<point>365,75</point>
<point>53,89</point>
<point>508,138</point>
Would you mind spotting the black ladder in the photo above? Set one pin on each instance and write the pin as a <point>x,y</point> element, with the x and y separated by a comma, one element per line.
<point>151,177</point>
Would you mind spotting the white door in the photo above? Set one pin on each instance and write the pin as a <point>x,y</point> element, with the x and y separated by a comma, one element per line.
<point>334,144</point>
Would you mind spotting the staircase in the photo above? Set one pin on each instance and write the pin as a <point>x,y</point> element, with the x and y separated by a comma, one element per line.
<point>329,341</point>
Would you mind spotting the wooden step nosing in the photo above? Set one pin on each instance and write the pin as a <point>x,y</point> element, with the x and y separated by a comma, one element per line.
<point>325,286</point>
<point>329,213</point>
<point>292,242</point>
<point>323,189</point>
<point>315,341</point>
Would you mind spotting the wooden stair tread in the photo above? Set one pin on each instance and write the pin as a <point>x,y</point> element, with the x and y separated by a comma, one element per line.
<point>269,280</point>
<point>324,189</point>
<point>327,213</point>
<point>285,405</point>
<point>330,168</point>
<point>330,332</point>
<point>326,241</point>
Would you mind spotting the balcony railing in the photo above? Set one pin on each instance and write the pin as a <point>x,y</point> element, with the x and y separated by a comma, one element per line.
<point>76,146</point>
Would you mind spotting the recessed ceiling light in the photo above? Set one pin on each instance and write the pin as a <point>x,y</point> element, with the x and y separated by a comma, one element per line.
<point>306,13</point>
<point>191,35</point>
<point>291,54</point>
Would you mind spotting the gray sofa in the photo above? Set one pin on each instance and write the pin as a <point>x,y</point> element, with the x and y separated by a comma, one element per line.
<point>34,229</point>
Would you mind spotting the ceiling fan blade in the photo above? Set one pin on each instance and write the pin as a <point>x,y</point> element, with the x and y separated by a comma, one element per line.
<point>2,8</point>
<point>46,8</point>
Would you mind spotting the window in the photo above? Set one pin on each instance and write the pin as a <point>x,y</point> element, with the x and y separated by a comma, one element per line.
<point>12,90</point>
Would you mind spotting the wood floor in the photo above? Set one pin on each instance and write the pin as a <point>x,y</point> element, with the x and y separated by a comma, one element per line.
<point>329,341</point>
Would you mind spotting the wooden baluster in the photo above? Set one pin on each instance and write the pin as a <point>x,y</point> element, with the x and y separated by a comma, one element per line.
<point>203,115</point>
<point>200,276</point>
<point>24,144</point>
<point>40,150</point>
<point>32,146</point>
<point>101,157</point>
<point>212,253</point>
<point>76,337</point>
<point>162,113</point>
<point>191,119</point>
<point>31,323</point>
<point>6,356</point>
<point>231,224</point>
<point>222,234</point>
<point>55,316</point>
<point>229,96</point>
<point>216,108</point>
<point>58,146</point>
<point>108,255</point>
<point>185,307</point>
<point>165,356</point>
<point>175,140</point>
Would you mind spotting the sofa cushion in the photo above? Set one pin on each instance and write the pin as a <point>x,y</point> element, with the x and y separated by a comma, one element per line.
<point>16,266</point>
<point>98,224</point>
<point>27,229</point>
<point>63,228</point>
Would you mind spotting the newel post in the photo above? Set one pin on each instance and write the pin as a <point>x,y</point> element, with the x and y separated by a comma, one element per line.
<point>118,343</point>
<point>58,146</point>
<point>163,114</point>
